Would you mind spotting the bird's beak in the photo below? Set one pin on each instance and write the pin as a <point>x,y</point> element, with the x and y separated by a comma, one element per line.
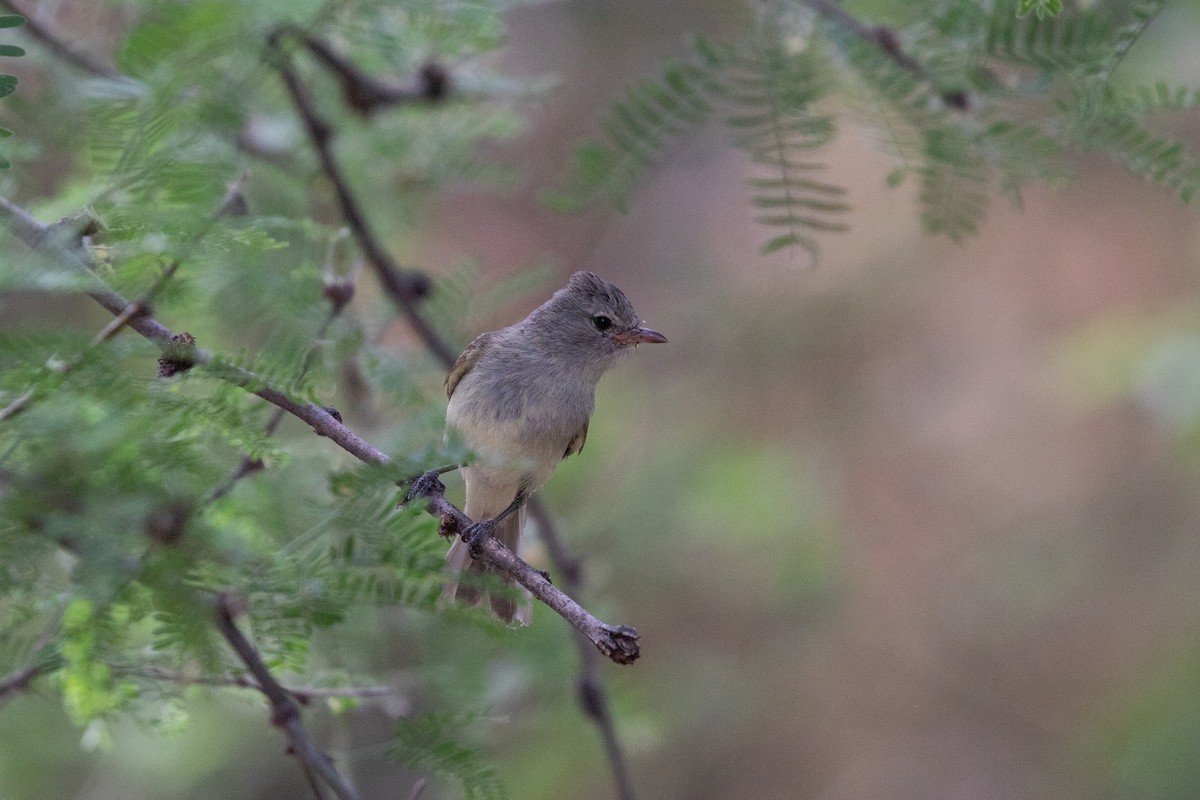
<point>641,335</point>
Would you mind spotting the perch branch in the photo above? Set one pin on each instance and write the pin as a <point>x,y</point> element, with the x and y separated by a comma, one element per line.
<point>617,642</point>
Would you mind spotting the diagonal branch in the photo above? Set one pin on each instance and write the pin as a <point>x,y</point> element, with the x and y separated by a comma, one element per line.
<point>285,712</point>
<point>19,679</point>
<point>55,41</point>
<point>617,642</point>
<point>404,288</point>
<point>128,314</point>
<point>885,39</point>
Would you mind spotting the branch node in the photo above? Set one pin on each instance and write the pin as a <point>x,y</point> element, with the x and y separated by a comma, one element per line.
<point>620,644</point>
<point>428,485</point>
<point>436,82</point>
<point>339,293</point>
<point>178,355</point>
<point>167,524</point>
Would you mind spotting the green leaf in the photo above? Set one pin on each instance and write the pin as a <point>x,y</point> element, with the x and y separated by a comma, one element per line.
<point>11,20</point>
<point>8,85</point>
<point>11,50</point>
<point>1042,8</point>
<point>427,743</point>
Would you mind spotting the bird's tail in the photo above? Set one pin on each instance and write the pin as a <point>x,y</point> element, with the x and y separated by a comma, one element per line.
<point>470,576</point>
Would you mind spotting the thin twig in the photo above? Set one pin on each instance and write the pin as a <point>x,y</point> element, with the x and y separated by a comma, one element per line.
<point>339,294</point>
<point>364,94</point>
<point>591,689</point>
<point>55,41</point>
<point>617,642</point>
<point>304,694</point>
<point>19,679</point>
<point>285,713</point>
<point>131,311</point>
<point>885,39</point>
<point>404,288</point>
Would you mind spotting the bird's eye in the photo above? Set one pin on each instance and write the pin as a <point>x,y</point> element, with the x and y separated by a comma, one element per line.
<point>601,322</point>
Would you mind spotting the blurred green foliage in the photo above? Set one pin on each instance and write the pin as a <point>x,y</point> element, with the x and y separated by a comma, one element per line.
<point>112,546</point>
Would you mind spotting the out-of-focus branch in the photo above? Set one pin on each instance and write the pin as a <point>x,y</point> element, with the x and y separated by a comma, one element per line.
<point>285,712</point>
<point>132,310</point>
<point>19,679</point>
<point>591,690</point>
<point>55,41</point>
<point>885,39</point>
<point>303,694</point>
<point>365,94</point>
<point>405,288</point>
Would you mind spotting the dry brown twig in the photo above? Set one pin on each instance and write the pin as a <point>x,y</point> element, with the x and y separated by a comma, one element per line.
<point>285,711</point>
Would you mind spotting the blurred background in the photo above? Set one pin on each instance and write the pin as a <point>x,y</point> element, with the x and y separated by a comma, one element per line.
<point>919,522</point>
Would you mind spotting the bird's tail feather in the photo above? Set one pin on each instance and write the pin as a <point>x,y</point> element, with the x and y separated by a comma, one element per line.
<point>469,576</point>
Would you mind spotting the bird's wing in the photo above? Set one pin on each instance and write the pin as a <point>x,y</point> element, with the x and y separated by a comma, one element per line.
<point>466,362</point>
<point>576,444</point>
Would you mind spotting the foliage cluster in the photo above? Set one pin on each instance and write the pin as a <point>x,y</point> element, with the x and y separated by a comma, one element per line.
<point>192,185</point>
<point>972,99</point>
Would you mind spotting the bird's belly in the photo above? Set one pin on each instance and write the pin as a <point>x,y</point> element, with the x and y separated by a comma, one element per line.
<point>508,455</point>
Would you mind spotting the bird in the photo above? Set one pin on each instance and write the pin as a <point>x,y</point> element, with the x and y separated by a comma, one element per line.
<point>520,399</point>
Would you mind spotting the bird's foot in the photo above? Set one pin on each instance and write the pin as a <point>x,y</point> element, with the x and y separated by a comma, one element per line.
<point>476,533</point>
<point>426,485</point>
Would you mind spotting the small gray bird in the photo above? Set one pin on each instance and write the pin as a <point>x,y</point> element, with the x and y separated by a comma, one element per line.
<point>521,398</point>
